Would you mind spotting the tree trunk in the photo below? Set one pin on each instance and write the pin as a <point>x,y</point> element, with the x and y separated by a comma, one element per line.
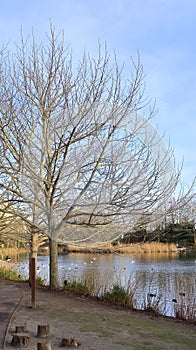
<point>53,264</point>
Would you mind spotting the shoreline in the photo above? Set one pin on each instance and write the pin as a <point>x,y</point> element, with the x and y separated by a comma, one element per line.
<point>9,267</point>
<point>97,325</point>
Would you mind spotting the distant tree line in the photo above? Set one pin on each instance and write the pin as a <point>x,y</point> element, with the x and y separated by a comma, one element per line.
<point>183,234</point>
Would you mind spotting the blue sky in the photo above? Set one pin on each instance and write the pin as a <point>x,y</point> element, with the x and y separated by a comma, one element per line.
<point>164,32</point>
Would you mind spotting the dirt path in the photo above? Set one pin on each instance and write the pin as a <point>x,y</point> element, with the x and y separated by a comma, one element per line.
<point>10,298</point>
<point>97,326</point>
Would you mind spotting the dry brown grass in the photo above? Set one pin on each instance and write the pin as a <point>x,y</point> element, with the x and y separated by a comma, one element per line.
<point>136,248</point>
<point>6,266</point>
<point>12,251</point>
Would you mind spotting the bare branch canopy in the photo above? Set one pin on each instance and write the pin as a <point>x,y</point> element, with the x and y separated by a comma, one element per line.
<point>79,155</point>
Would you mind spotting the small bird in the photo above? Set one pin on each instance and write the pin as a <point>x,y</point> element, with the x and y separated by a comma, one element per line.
<point>7,258</point>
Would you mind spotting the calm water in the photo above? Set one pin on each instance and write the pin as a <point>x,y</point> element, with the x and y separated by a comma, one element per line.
<point>167,277</point>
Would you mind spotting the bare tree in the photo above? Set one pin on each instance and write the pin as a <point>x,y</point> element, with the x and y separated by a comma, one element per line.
<point>78,160</point>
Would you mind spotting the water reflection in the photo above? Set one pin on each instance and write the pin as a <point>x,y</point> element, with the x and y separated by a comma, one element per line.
<point>166,277</point>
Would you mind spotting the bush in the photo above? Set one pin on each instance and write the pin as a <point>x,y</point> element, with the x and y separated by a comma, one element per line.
<point>119,296</point>
<point>77,287</point>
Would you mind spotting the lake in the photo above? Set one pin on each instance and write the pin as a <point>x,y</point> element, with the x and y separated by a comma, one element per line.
<point>164,280</point>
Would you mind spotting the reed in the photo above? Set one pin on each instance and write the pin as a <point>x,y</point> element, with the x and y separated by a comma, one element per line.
<point>6,266</point>
<point>184,311</point>
<point>13,251</point>
<point>123,292</point>
<point>148,247</point>
<point>184,301</point>
<point>136,248</point>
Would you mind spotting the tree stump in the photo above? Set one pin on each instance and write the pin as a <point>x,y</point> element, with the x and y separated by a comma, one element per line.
<point>43,331</point>
<point>20,329</point>
<point>44,346</point>
<point>71,342</point>
<point>20,340</point>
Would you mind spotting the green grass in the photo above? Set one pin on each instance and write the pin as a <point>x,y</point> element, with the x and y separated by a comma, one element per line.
<point>9,274</point>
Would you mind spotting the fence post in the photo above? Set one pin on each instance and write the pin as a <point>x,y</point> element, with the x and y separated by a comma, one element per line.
<point>33,283</point>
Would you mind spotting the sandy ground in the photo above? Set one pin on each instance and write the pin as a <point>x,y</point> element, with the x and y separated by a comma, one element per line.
<point>95,325</point>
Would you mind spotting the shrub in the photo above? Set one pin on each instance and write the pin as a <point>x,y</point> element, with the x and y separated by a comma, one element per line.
<point>119,296</point>
<point>77,287</point>
<point>40,281</point>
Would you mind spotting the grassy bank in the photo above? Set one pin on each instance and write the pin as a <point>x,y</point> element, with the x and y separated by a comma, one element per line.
<point>6,271</point>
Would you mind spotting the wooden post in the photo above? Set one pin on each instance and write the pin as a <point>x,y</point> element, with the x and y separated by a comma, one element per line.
<point>33,283</point>
<point>34,248</point>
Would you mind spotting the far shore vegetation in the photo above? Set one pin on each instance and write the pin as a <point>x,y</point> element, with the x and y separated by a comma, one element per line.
<point>173,237</point>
